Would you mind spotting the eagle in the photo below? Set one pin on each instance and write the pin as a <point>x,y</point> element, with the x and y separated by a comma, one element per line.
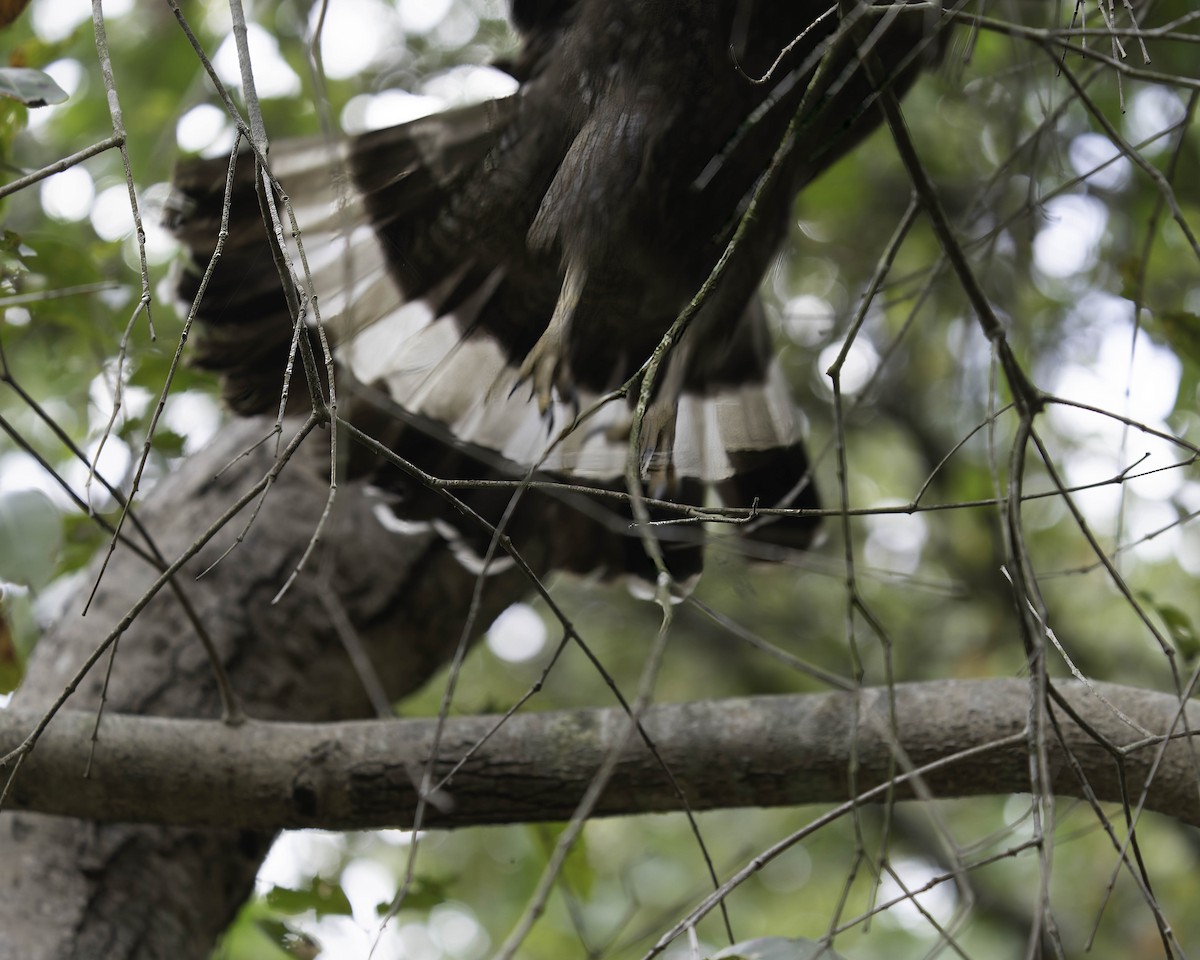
<point>492,276</point>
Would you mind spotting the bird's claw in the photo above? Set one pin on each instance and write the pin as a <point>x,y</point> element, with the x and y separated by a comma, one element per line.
<point>546,369</point>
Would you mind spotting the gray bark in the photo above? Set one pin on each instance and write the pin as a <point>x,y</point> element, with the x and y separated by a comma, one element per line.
<point>755,751</point>
<point>86,888</point>
<point>83,889</point>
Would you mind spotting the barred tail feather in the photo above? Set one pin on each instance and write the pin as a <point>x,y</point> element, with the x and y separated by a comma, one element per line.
<point>246,324</point>
<point>430,325</point>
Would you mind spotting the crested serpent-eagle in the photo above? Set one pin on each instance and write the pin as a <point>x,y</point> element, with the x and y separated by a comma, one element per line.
<point>486,273</point>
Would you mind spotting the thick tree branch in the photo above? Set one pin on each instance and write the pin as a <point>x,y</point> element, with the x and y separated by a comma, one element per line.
<point>761,751</point>
<point>78,888</point>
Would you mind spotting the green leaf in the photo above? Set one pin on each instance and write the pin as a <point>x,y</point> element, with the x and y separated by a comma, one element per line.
<point>30,538</point>
<point>1180,330</point>
<point>293,943</point>
<point>577,870</point>
<point>257,933</point>
<point>1129,269</point>
<point>424,894</point>
<point>30,87</point>
<point>1178,623</point>
<point>321,896</point>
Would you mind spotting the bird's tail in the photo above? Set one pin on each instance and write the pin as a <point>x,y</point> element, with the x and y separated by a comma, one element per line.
<point>251,300</point>
<point>429,328</point>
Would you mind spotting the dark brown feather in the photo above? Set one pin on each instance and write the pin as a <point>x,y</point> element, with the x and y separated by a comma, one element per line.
<point>559,232</point>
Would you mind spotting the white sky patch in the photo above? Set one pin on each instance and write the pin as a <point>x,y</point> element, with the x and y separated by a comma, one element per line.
<point>20,471</point>
<point>396,838</point>
<point>461,85</point>
<point>272,76</point>
<point>102,394</point>
<point>205,129</point>
<point>217,19</point>
<point>1148,519</point>
<point>939,902</point>
<point>895,540</point>
<point>68,195</point>
<point>1158,485</point>
<point>1105,446</point>
<point>155,255</point>
<point>161,245</point>
<point>1152,110</point>
<point>135,401</point>
<point>193,415</point>
<point>61,596</point>
<point>41,117</point>
<point>367,883</point>
<point>860,365</point>
<point>1154,376</point>
<point>68,74</point>
<point>112,462</point>
<point>454,928</point>
<point>1152,380</point>
<point>469,84</point>
<point>113,465</point>
<point>1070,237</point>
<point>1147,511</point>
<point>458,27</point>
<point>341,938</point>
<point>807,319</point>
<point>1099,505</point>
<point>518,634</point>
<point>1189,498</point>
<point>297,855</point>
<point>1017,818</point>
<point>421,16</point>
<point>111,216</point>
<point>1091,154</point>
<point>55,20</point>
<point>1098,311</point>
<point>353,40</point>
<point>1189,554</point>
<point>387,109</point>
<point>115,298</point>
<point>417,944</point>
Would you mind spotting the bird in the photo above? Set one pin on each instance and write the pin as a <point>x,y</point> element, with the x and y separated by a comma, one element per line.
<point>491,275</point>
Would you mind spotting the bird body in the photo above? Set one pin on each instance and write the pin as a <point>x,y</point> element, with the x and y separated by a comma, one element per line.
<point>488,272</point>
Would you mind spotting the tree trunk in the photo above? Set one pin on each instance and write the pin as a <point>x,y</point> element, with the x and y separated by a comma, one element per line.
<point>73,888</point>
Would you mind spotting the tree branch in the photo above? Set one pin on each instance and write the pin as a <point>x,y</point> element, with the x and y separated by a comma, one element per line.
<point>80,888</point>
<point>763,751</point>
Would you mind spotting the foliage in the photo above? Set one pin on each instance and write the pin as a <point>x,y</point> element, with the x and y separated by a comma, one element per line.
<point>30,87</point>
<point>1059,200</point>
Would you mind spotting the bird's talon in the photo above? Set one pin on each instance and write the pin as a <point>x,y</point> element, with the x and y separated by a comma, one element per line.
<point>546,372</point>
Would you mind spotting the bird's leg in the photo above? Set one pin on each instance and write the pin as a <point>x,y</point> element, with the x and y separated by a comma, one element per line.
<point>658,425</point>
<point>658,452</point>
<point>546,364</point>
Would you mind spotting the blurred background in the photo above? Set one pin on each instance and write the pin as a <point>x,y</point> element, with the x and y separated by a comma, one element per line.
<point>1072,181</point>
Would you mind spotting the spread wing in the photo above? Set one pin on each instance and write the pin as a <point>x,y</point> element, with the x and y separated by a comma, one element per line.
<point>488,272</point>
